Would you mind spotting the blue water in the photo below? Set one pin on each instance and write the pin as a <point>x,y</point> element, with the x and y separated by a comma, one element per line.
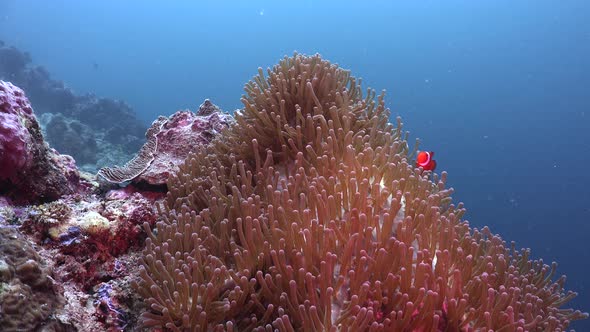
<point>500,90</point>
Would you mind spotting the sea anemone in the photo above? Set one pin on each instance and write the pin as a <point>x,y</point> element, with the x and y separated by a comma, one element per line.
<point>305,215</point>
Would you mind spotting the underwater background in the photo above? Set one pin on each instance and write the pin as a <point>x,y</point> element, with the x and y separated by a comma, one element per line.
<point>499,90</point>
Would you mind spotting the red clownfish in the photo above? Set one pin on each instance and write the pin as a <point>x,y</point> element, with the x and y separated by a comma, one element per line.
<point>424,160</point>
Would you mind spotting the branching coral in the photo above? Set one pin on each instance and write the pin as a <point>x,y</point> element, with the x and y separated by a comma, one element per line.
<point>306,215</point>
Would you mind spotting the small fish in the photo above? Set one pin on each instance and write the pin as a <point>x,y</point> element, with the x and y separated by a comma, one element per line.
<point>424,160</point>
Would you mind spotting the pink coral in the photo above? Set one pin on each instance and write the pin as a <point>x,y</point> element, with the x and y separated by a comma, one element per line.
<point>169,142</point>
<point>30,171</point>
<point>13,145</point>
<point>92,231</point>
<point>13,101</point>
<point>180,135</point>
<point>15,114</point>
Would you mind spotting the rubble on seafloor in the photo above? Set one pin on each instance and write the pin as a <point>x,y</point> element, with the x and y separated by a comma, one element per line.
<point>69,253</point>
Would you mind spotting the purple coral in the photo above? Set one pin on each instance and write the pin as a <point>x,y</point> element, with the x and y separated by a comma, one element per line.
<point>108,309</point>
<point>13,145</point>
<point>182,134</point>
<point>15,113</point>
<point>169,142</point>
<point>29,170</point>
<point>13,101</point>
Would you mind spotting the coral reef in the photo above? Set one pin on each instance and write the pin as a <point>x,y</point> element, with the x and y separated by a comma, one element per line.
<point>30,171</point>
<point>88,237</point>
<point>28,295</point>
<point>91,232</point>
<point>169,142</point>
<point>72,137</point>
<point>306,215</point>
<point>12,61</point>
<point>91,244</point>
<point>48,95</point>
<point>112,116</point>
<point>111,126</point>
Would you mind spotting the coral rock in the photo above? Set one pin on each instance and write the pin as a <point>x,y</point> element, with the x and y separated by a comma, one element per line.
<point>169,142</point>
<point>27,292</point>
<point>91,232</point>
<point>30,171</point>
<point>13,145</point>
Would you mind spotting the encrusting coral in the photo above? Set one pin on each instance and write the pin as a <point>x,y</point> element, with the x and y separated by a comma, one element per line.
<point>69,247</point>
<point>28,296</point>
<point>30,171</point>
<point>305,215</point>
<point>169,141</point>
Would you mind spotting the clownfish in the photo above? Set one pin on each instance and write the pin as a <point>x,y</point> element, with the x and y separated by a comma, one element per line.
<point>424,160</point>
